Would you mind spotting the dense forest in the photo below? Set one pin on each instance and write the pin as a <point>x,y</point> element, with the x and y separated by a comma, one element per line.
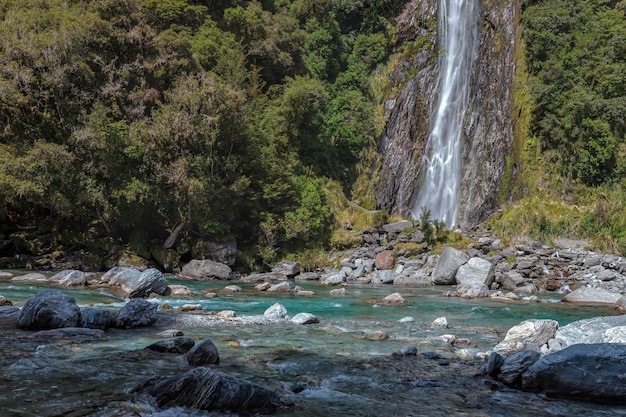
<point>255,121</point>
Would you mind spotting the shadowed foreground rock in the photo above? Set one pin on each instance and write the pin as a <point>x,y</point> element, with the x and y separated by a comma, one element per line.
<point>50,309</point>
<point>205,389</point>
<point>593,372</point>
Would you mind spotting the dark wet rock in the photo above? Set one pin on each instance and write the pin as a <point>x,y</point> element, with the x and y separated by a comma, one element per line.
<point>9,314</point>
<point>447,265</point>
<point>96,318</point>
<point>50,309</point>
<point>493,365</point>
<point>70,278</point>
<point>173,345</point>
<point>205,270</point>
<point>69,333</point>
<point>136,313</point>
<point>204,389</point>
<point>204,353</point>
<point>592,372</point>
<point>514,366</point>
<point>410,350</point>
<point>289,268</point>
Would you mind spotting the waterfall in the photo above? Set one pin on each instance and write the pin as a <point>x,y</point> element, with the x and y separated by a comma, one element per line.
<point>441,171</point>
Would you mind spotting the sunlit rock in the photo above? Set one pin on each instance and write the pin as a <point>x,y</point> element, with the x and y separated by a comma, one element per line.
<point>528,335</point>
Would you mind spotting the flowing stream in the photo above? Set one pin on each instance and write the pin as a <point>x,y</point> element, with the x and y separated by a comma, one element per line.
<point>326,369</point>
<point>441,174</point>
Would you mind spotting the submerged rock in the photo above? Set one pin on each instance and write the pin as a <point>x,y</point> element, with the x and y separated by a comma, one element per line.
<point>204,353</point>
<point>172,345</point>
<point>204,389</point>
<point>50,309</point>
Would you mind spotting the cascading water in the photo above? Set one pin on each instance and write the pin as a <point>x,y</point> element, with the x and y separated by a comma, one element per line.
<point>441,172</point>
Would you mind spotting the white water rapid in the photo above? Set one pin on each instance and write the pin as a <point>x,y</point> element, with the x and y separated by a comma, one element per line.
<point>441,172</point>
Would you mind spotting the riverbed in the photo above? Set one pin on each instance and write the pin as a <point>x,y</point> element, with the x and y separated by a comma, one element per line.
<point>331,368</point>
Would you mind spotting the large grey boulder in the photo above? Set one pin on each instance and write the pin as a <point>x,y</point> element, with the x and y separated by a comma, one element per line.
<point>273,277</point>
<point>136,313</point>
<point>587,295</point>
<point>147,282</point>
<point>289,268</point>
<point>204,353</point>
<point>205,270</point>
<point>475,272</point>
<point>119,275</point>
<point>447,265</point>
<point>592,372</point>
<point>50,309</point>
<point>593,330</point>
<point>528,335</point>
<point>204,389</point>
<point>69,278</point>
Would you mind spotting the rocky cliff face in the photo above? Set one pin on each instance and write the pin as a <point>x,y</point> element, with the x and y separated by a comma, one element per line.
<point>487,137</point>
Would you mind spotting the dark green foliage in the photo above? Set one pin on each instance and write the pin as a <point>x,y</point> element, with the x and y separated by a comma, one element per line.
<point>228,117</point>
<point>578,80</point>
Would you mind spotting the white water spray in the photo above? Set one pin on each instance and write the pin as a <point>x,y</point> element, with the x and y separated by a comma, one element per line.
<point>441,173</point>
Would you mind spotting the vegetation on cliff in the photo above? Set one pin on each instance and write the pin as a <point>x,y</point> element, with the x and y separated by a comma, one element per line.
<point>571,109</point>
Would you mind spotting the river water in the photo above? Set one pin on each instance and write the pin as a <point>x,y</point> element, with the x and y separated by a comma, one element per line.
<point>326,369</point>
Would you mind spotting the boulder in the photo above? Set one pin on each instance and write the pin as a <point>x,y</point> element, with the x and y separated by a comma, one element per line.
<point>9,315</point>
<point>180,290</point>
<point>385,276</point>
<point>204,353</point>
<point>172,345</point>
<point>147,282</point>
<point>70,278</point>
<point>447,265</point>
<point>272,277</point>
<point>615,335</point>
<point>280,287</point>
<point>588,295</point>
<point>119,275</point>
<point>620,304</point>
<point>305,318</point>
<point>333,279</point>
<point>50,309</point>
<point>204,389</point>
<point>167,259</point>
<point>136,313</point>
<point>289,268</point>
<point>205,270</point>
<point>475,272</point>
<point>585,331</point>
<point>32,276</point>
<point>394,298</point>
<point>275,312</point>
<point>593,372</point>
<point>515,365</point>
<point>528,335</point>
<point>308,276</point>
<point>384,260</point>
<point>5,301</point>
<point>95,318</point>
